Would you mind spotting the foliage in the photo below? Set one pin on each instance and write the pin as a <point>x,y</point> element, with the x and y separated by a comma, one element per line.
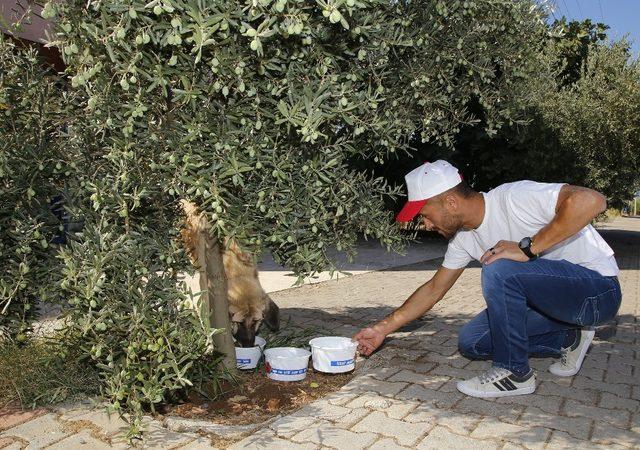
<point>257,111</point>
<point>597,122</point>
<point>573,40</point>
<point>583,134</point>
<point>37,374</point>
<point>580,122</point>
<point>31,110</point>
<point>130,314</point>
<point>252,110</point>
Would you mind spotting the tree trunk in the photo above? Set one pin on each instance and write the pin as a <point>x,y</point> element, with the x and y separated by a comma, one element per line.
<point>213,283</point>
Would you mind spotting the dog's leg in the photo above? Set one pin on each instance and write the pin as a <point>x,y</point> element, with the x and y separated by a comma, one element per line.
<point>272,315</point>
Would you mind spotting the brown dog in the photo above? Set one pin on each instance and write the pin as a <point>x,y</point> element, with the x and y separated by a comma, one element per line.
<point>249,304</point>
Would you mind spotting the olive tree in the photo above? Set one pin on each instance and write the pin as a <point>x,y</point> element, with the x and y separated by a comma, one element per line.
<point>254,111</point>
<point>31,179</point>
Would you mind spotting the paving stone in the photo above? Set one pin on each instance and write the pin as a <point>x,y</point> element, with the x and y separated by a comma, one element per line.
<point>454,372</point>
<point>586,396</point>
<point>341,397</point>
<point>382,373</point>
<point>69,410</point>
<point>158,437</point>
<point>603,433</point>
<point>11,417</point>
<point>182,425</point>
<point>456,360</point>
<point>15,445</point>
<point>81,440</point>
<point>366,384</point>
<point>548,403</point>
<point>413,366</point>
<point>11,444</point>
<point>458,423</point>
<point>621,390</point>
<point>478,365</point>
<point>289,425</point>
<point>200,443</point>
<point>395,409</point>
<point>355,416</point>
<point>618,418</point>
<point>450,386</point>
<point>109,424</point>
<point>39,432</point>
<point>427,381</point>
<point>267,439</point>
<point>386,444</point>
<point>577,427</point>
<point>441,438</point>
<point>442,399</point>
<point>528,437</point>
<point>326,434</point>
<point>563,441</point>
<point>404,433</point>
<point>322,409</point>
<point>484,407</point>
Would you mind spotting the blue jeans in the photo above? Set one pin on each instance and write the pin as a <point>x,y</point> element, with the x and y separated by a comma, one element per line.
<point>531,306</point>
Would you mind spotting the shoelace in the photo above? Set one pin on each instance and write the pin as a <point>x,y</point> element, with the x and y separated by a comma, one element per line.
<point>492,374</point>
<point>563,356</point>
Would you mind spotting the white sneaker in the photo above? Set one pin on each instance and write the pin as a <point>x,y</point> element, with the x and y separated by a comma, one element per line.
<point>572,357</point>
<point>498,382</point>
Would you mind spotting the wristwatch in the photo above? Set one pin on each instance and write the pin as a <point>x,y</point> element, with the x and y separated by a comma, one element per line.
<point>525,245</point>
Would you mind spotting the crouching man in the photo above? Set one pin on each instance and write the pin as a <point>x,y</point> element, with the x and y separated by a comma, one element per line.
<point>547,275</point>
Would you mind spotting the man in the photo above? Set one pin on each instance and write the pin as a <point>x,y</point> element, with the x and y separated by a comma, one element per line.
<point>547,275</point>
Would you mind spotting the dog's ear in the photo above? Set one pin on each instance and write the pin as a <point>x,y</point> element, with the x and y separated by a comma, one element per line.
<point>272,315</point>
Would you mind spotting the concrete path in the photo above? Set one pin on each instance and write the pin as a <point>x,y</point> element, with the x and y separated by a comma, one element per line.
<point>370,257</point>
<point>405,396</point>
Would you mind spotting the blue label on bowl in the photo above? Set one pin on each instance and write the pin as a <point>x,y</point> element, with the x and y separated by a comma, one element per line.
<point>243,361</point>
<point>345,362</point>
<point>288,372</point>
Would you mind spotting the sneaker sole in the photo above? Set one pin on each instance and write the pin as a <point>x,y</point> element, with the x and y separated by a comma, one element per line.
<point>519,391</point>
<point>569,373</point>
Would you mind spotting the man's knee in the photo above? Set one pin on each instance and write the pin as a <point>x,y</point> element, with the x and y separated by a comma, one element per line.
<point>494,274</point>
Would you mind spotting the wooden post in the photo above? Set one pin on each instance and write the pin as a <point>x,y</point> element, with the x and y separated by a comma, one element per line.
<point>213,283</point>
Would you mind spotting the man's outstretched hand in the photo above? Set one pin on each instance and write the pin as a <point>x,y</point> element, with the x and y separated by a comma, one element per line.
<point>368,339</point>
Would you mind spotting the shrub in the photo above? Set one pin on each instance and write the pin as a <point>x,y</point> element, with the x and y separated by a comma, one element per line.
<point>32,110</point>
<point>254,111</point>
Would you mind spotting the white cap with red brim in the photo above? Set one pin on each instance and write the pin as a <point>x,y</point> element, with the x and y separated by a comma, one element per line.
<point>425,182</point>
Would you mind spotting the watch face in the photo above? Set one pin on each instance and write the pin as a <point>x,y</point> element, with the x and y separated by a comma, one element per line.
<point>525,243</point>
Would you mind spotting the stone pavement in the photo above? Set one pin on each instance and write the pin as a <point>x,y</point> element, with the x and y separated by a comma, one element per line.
<point>404,396</point>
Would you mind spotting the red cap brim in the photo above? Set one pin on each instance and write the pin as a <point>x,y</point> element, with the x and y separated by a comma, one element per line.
<point>410,210</point>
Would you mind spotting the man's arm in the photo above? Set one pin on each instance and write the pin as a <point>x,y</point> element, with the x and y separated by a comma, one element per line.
<point>576,208</point>
<point>421,301</point>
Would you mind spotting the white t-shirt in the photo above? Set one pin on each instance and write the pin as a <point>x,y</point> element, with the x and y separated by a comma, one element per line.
<point>517,210</point>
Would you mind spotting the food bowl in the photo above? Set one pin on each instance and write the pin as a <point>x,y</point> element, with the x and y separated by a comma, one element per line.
<point>333,354</point>
<point>248,357</point>
<point>286,363</point>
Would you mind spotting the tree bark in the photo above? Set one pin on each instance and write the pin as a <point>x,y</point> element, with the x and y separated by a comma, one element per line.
<point>213,283</point>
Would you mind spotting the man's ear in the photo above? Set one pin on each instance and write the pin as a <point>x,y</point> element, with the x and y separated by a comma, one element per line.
<point>450,202</point>
<point>272,315</point>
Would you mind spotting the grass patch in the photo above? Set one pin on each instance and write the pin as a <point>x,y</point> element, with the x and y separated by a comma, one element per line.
<point>35,374</point>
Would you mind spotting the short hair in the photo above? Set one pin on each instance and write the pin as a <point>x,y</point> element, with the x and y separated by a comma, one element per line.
<point>461,189</point>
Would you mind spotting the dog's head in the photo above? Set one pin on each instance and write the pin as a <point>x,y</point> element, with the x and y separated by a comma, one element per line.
<point>247,317</point>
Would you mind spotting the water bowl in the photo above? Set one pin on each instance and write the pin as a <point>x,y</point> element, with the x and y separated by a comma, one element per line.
<point>249,357</point>
<point>286,363</point>
<point>333,354</point>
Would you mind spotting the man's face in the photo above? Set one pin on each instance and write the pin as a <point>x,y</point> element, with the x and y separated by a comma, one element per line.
<point>437,215</point>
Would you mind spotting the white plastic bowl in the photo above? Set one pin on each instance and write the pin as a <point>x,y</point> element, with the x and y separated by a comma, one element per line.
<point>248,357</point>
<point>333,354</point>
<point>286,363</point>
